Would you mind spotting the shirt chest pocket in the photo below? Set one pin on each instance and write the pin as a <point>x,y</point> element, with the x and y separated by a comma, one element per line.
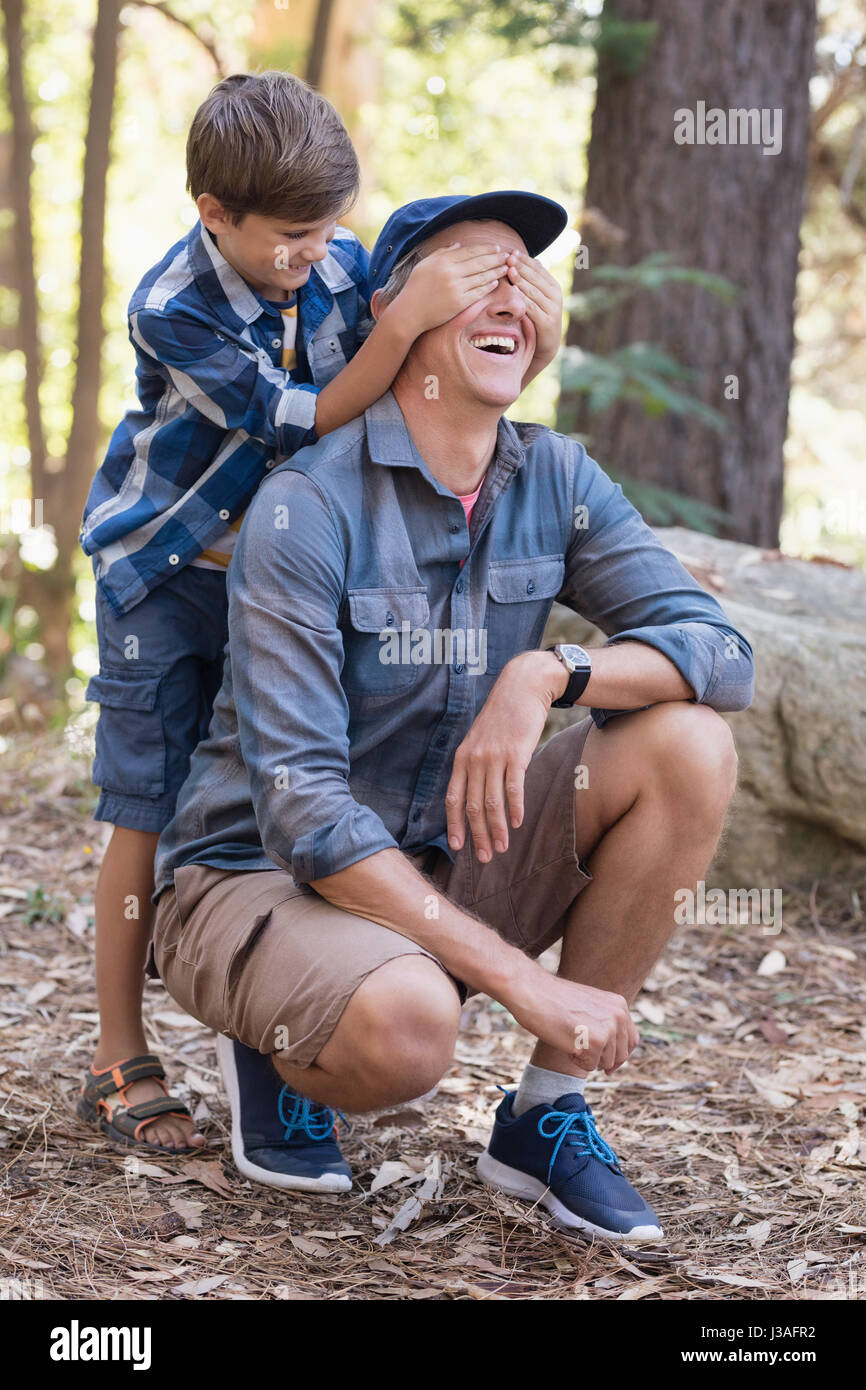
<point>519,597</point>
<point>326,358</point>
<point>380,630</point>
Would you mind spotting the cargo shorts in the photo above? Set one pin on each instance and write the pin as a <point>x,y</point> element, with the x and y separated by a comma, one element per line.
<point>160,667</point>
<point>272,963</point>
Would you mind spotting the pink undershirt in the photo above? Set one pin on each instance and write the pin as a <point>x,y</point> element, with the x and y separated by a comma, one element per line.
<point>468,504</point>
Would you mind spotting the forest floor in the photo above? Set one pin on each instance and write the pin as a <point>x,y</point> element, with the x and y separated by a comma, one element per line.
<point>737,1117</point>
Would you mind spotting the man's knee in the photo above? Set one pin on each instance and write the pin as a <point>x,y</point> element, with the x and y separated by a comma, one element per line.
<point>691,749</point>
<point>403,1020</point>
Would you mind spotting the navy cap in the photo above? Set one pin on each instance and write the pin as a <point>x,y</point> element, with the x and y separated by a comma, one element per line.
<point>538,220</point>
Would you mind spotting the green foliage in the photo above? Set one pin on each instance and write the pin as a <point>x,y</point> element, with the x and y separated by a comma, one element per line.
<point>637,372</point>
<point>659,506</point>
<point>528,24</point>
<point>43,907</point>
<point>644,373</point>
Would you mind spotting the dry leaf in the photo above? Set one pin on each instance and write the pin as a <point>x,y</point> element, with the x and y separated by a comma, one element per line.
<point>773,963</point>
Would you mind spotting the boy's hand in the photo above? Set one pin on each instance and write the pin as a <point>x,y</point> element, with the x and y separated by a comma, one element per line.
<point>446,282</point>
<point>543,306</point>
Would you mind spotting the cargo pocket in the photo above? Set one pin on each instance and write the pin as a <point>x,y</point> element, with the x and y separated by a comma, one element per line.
<point>378,640</point>
<point>519,598</point>
<point>130,739</point>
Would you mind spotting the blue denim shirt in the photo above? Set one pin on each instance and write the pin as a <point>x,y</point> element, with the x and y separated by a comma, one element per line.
<point>214,405</point>
<point>344,701</point>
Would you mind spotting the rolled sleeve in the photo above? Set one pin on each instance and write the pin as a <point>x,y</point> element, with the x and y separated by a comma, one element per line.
<point>233,388</point>
<point>285,590</point>
<point>620,577</point>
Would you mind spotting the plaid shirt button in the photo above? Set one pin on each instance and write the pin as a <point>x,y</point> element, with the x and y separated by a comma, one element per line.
<point>224,514</point>
<point>174,559</point>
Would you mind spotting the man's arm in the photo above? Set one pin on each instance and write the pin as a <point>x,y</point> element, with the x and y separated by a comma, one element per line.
<point>620,577</point>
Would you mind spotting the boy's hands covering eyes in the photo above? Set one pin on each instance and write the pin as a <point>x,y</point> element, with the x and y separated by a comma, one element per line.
<point>446,282</point>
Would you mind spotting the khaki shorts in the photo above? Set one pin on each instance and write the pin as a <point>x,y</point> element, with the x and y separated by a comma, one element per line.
<point>272,963</point>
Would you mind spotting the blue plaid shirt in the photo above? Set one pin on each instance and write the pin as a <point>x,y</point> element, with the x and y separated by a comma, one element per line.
<point>216,411</point>
<point>320,752</point>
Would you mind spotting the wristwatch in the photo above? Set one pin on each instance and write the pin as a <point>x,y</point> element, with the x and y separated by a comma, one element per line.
<point>576,661</point>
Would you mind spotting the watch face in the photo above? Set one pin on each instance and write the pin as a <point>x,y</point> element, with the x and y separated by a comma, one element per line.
<point>575,657</point>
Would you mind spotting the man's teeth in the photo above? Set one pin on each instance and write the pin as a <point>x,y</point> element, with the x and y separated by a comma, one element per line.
<point>490,341</point>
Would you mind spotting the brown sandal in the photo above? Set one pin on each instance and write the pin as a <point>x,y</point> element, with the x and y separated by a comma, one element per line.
<point>124,1123</point>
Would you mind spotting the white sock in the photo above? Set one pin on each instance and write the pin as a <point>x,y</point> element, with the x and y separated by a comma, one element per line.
<point>538,1086</point>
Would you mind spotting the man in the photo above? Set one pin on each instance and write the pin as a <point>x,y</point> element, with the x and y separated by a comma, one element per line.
<point>319,899</point>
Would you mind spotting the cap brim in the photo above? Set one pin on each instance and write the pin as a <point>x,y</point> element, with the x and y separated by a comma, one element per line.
<point>538,220</point>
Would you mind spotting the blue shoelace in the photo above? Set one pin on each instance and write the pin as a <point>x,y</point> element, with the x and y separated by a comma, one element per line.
<point>317,1121</point>
<point>576,1129</point>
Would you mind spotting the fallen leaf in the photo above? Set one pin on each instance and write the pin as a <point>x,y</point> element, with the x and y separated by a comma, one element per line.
<point>780,1100</point>
<point>189,1211</point>
<point>391,1171</point>
<point>208,1174</point>
<point>773,963</point>
<point>39,992</point>
<point>200,1286</point>
<point>759,1233</point>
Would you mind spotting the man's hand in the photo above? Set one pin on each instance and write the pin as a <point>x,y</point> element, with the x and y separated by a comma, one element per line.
<point>543,306</point>
<point>444,283</point>
<point>590,1026</point>
<point>486,785</point>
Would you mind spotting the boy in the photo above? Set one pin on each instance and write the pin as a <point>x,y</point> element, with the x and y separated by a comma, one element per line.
<point>252,339</point>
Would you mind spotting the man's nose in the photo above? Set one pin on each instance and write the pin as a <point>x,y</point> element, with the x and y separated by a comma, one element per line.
<point>507,300</point>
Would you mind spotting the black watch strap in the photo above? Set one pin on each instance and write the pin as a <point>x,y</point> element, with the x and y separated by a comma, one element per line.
<point>577,683</point>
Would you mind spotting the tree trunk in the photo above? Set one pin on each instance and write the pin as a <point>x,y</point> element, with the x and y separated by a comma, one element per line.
<point>25,270</point>
<point>726,208</point>
<point>52,591</point>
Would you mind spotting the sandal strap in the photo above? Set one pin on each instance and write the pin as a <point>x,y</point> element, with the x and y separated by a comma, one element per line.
<point>122,1074</point>
<point>149,1109</point>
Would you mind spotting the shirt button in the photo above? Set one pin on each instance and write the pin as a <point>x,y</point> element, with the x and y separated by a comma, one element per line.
<point>276,342</point>
<point>441,740</point>
<point>389,619</point>
<point>224,514</point>
<point>333,345</point>
<point>459,586</point>
<point>270,463</point>
<point>174,559</point>
<point>454,528</point>
<point>459,668</point>
<point>530,588</point>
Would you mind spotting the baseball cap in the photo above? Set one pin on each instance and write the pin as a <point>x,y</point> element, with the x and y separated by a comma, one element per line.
<point>538,220</point>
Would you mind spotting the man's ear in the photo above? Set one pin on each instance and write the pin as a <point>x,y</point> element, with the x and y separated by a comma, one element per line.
<point>376,305</point>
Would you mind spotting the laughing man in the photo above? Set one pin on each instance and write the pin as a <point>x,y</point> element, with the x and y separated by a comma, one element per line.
<point>318,896</point>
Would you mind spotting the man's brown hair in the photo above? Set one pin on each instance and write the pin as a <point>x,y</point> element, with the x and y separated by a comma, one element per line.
<point>268,143</point>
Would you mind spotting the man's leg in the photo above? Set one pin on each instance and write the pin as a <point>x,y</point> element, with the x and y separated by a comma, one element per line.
<point>659,785</point>
<point>394,1041</point>
<point>646,823</point>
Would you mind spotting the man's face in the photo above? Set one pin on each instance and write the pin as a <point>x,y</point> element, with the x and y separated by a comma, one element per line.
<point>484,351</point>
<point>272,254</point>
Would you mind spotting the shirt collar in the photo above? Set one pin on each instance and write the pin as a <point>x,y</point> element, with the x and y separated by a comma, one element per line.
<point>327,278</point>
<point>390,443</point>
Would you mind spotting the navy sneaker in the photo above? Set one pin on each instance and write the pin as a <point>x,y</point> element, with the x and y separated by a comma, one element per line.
<point>554,1154</point>
<point>279,1138</point>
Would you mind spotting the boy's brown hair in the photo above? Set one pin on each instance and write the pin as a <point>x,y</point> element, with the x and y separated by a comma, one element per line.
<point>270,144</point>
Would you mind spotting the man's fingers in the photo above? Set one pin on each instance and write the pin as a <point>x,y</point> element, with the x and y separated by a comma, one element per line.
<point>514,775</point>
<point>494,806</point>
<point>455,804</point>
<point>475,811</point>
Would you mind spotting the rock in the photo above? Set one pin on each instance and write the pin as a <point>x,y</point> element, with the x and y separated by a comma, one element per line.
<point>800,809</point>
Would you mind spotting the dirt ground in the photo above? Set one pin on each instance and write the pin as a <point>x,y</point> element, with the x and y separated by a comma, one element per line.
<point>738,1117</point>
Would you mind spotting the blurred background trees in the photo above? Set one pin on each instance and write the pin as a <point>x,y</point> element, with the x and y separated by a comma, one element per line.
<point>680,265</point>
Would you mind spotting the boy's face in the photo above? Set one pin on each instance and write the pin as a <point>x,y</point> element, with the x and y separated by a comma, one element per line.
<point>273,255</point>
